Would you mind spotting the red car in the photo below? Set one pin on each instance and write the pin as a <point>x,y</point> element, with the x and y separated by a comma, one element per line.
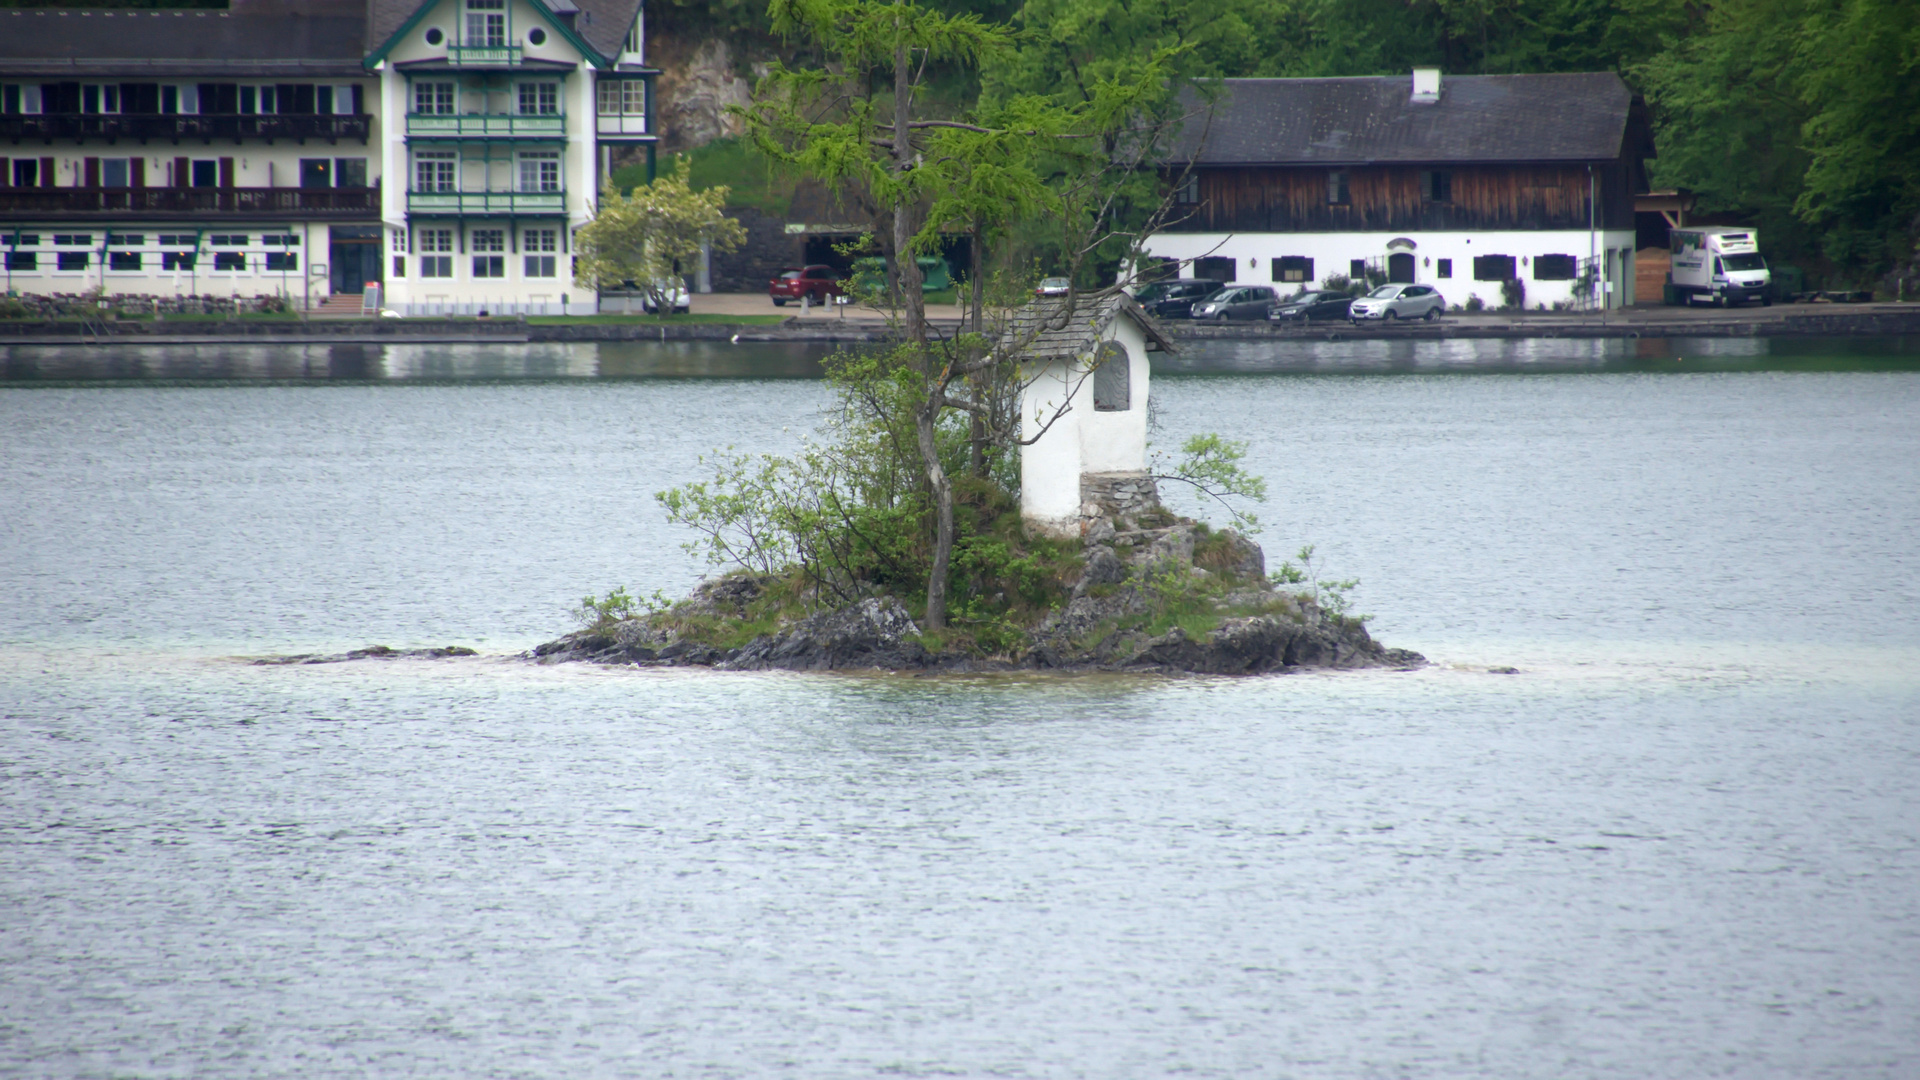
<point>819,281</point>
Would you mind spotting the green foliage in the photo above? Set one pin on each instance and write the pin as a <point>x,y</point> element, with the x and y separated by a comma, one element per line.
<point>647,236</point>
<point>1513,295</point>
<point>1332,595</point>
<point>1797,115</point>
<point>1212,466</point>
<point>752,180</point>
<point>600,613</point>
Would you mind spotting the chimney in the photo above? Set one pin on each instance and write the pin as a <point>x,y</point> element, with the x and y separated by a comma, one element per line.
<point>1426,86</point>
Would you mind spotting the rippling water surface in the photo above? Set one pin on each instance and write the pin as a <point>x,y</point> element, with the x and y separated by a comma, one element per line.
<point>1681,842</point>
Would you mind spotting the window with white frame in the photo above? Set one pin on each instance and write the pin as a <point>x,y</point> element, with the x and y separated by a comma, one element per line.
<point>636,35</point>
<point>435,259</point>
<point>103,98</point>
<point>115,172</point>
<point>539,99</point>
<point>433,98</point>
<point>484,243</point>
<point>622,97</point>
<point>539,245</point>
<point>436,170</point>
<point>184,99</point>
<point>486,22</point>
<point>540,171</point>
<point>20,98</point>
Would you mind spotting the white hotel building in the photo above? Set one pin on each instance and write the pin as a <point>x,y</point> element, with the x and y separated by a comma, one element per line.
<point>1483,186</point>
<point>437,154</point>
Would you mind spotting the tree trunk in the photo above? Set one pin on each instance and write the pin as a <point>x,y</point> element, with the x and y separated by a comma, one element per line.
<point>982,382</point>
<point>927,415</point>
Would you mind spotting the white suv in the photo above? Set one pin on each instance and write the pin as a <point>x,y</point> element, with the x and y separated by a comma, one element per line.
<point>1399,302</point>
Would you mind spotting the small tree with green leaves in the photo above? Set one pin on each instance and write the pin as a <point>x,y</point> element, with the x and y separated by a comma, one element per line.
<point>646,237</point>
<point>865,123</point>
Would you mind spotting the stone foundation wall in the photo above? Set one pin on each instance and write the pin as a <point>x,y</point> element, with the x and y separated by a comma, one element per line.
<point>1116,495</point>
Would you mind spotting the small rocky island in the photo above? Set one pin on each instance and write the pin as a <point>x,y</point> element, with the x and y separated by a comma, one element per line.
<point>1074,567</point>
<point>1142,591</point>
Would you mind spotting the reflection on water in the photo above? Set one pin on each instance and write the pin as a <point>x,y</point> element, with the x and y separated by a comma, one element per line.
<point>534,361</point>
<point>1404,356</point>
<point>40,364</point>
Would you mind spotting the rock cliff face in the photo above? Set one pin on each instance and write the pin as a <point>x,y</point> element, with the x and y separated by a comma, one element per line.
<point>1137,573</point>
<point>698,81</point>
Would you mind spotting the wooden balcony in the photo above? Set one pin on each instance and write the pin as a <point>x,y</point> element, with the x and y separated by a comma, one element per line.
<point>486,126</point>
<point>486,202</point>
<point>177,128</point>
<point>144,204</point>
<point>483,55</point>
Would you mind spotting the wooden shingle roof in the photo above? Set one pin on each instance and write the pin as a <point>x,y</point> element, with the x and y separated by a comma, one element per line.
<point>1079,335</point>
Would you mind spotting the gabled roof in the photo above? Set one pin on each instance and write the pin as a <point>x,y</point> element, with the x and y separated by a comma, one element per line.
<point>321,38</point>
<point>1372,120</point>
<point>598,28</point>
<point>1083,330</point>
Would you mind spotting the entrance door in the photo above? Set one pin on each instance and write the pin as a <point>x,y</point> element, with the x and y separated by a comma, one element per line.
<point>353,257</point>
<point>1400,268</point>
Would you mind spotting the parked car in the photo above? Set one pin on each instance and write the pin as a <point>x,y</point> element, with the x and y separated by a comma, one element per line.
<point>1399,302</point>
<point>1305,307</point>
<point>1053,286</point>
<point>1237,302</point>
<point>1175,299</point>
<point>819,281</point>
<point>676,296</point>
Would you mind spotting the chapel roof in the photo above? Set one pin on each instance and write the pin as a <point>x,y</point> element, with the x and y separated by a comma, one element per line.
<point>1083,329</point>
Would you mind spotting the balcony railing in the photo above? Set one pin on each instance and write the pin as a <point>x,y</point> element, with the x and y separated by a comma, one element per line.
<point>483,55</point>
<point>487,202</point>
<point>53,202</point>
<point>486,125</point>
<point>621,123</point>
<point>176,126</point>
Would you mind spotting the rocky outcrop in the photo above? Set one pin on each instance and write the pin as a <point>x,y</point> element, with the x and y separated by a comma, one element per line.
<point>695,89</point>
<point>371,652</point>
<point>1137,573</point>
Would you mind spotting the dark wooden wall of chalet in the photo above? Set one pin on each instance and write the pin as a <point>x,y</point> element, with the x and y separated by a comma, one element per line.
<point>1387,199</point>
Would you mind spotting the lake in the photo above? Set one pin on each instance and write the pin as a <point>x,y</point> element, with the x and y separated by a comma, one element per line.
<point>1681,841</point>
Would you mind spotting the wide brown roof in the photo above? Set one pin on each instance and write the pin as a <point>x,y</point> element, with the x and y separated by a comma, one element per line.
<point>1356,121</point>
<point>321,38</point>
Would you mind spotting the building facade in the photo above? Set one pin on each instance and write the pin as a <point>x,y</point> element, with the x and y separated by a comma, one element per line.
<point>437,155</point>
<point>1500,187</point>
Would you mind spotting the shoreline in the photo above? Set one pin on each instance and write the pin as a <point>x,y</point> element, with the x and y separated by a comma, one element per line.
<point>1798,320</point>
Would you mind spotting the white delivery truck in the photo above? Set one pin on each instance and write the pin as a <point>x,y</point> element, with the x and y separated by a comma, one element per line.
<point>1719,264</point>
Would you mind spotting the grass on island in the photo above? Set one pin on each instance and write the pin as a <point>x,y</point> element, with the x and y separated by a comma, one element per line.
<point>1005,582</point>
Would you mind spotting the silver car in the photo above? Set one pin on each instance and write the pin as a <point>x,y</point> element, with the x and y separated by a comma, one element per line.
<point>1399,302</point>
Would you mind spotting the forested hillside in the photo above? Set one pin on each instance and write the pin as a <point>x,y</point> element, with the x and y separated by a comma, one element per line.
<point>1801,117</point>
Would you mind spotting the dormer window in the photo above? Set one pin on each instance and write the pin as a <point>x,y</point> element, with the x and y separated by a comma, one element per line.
<point>486,23</point>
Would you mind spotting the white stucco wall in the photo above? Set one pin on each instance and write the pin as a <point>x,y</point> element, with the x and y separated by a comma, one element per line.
<point>1117,441</point>
<point>1333,253</point>
<point>1081,440</point>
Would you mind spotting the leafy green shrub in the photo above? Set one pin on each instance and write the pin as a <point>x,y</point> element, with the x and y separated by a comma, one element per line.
<point>601,613</point>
